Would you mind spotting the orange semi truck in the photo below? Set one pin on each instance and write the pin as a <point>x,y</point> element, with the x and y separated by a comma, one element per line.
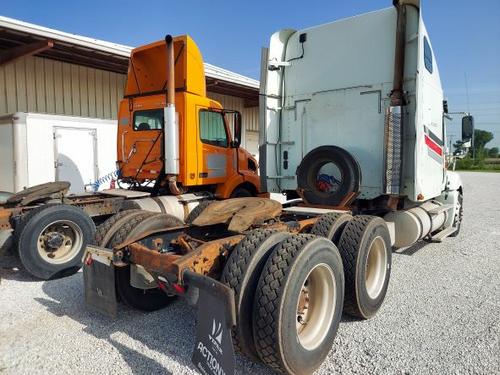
<point>171,133</point>
<point>176,147</point>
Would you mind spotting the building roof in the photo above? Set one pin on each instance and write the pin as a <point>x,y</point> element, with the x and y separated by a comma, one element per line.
<point>58,45</point>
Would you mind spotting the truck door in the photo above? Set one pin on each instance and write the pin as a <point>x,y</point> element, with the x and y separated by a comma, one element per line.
<point>75,157</point>
<point>430,154</point>
<point>215,154</point>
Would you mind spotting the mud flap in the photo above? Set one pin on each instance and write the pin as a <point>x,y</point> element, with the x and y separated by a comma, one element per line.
<point>99,280</point>
<point>213,351</point>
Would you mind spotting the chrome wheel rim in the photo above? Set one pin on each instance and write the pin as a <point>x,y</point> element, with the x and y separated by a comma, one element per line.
<point>60,241</point>
<point>316,306</point>
<point>376,267</point>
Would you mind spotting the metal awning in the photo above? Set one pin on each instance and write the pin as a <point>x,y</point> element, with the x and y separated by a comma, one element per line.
<point>18,39</point>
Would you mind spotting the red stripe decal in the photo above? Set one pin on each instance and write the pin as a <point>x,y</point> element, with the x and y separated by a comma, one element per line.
<point>433,146</point>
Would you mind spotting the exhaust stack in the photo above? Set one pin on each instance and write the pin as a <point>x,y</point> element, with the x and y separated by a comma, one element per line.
<point>394,119</point>
<point>171,127</point>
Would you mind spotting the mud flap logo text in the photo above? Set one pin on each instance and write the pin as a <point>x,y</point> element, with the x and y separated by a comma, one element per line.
<point>216,336</point>
<point>212,362</point>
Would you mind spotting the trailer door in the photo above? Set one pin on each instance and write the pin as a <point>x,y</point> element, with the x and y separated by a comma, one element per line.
<point>75,156</point>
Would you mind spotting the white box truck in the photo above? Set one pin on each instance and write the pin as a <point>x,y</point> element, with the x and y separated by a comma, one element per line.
<point>39,148</point>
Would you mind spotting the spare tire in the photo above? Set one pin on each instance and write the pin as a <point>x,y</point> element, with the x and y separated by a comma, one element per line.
<point>327,175</point>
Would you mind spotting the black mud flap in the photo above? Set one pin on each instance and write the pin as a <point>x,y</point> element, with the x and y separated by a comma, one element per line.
<point>213,352</point>
<point>99,280</point>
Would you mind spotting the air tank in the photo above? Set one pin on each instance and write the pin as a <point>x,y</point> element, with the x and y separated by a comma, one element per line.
<point>169,204</point>
<point>415,223</point>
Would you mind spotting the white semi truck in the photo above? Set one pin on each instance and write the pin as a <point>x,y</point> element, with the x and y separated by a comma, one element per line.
<point>353,131</point>
<point>356,106</point>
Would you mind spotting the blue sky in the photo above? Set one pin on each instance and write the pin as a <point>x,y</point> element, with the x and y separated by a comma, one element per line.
<point>465,35</point>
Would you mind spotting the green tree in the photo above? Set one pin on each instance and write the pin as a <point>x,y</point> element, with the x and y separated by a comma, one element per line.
<point>481,138</point>
<point>493,152</point>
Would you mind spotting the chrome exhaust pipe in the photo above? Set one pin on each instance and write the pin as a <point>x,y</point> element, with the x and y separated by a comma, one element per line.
<point>171,127</point>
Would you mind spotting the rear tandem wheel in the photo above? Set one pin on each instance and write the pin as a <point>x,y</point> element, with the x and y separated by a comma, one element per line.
<point>365,247</point>
<point>241,272</point>
<point>331,225</point>
<point>128,227</point>
<point>298,304</point>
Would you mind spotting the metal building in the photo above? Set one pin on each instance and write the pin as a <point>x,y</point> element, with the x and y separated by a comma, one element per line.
<point>49,71</point>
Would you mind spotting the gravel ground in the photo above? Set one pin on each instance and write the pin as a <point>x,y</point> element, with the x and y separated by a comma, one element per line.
<point>441,315</point>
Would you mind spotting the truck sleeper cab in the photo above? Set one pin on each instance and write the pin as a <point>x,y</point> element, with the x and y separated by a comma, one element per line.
<point>334,84</point>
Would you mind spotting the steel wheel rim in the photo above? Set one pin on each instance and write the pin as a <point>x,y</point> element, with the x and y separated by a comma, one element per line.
<point>60,241</point>
<point>376,267</point>
<point>316,306</point>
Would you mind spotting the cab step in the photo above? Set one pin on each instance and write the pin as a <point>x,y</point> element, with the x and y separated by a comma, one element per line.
<point>440,209</point>
<point>440,236</point>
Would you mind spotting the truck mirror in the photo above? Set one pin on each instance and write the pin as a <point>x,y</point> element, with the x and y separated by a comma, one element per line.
<point>235,126</point>
<point>237,129</point>
<point>445,106</point>
<point>467,128</point>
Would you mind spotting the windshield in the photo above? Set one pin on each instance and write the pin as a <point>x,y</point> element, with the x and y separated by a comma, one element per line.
<point>151,119</point>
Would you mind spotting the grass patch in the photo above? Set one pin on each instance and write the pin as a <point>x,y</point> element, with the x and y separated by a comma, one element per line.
<point>477,165</point>
<point>478,170</point>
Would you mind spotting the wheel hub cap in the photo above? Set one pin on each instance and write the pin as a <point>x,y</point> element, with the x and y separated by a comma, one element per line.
<point>54,241</point>
<point>316,306</point>
<point>60,241</point>
<point>376,267</point>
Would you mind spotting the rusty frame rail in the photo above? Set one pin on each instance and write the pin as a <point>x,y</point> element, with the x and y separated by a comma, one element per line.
<point>205,259</point>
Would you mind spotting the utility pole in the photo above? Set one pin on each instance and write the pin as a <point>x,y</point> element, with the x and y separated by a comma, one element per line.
<point>468,110</point>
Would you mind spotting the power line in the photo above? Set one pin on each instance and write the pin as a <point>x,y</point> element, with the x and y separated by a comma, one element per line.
<point>467,91</point>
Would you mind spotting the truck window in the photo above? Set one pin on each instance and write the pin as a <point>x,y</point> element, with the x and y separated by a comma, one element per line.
<point>427,55</point>
<point>212,129</point>
<point>151,119</point>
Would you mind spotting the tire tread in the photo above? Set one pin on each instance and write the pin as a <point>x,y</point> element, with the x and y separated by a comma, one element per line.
<point>103,228</point>
<point>122,233</point>
<point>198,210</point>
<point>234,270</point>
<point>267,304</point>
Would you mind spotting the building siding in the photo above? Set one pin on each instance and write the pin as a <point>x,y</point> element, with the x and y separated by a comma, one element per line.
<point>35,84</point>
<point>250,115</point>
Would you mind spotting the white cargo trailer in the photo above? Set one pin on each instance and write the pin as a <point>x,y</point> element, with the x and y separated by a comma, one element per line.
<point>39,148</point>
